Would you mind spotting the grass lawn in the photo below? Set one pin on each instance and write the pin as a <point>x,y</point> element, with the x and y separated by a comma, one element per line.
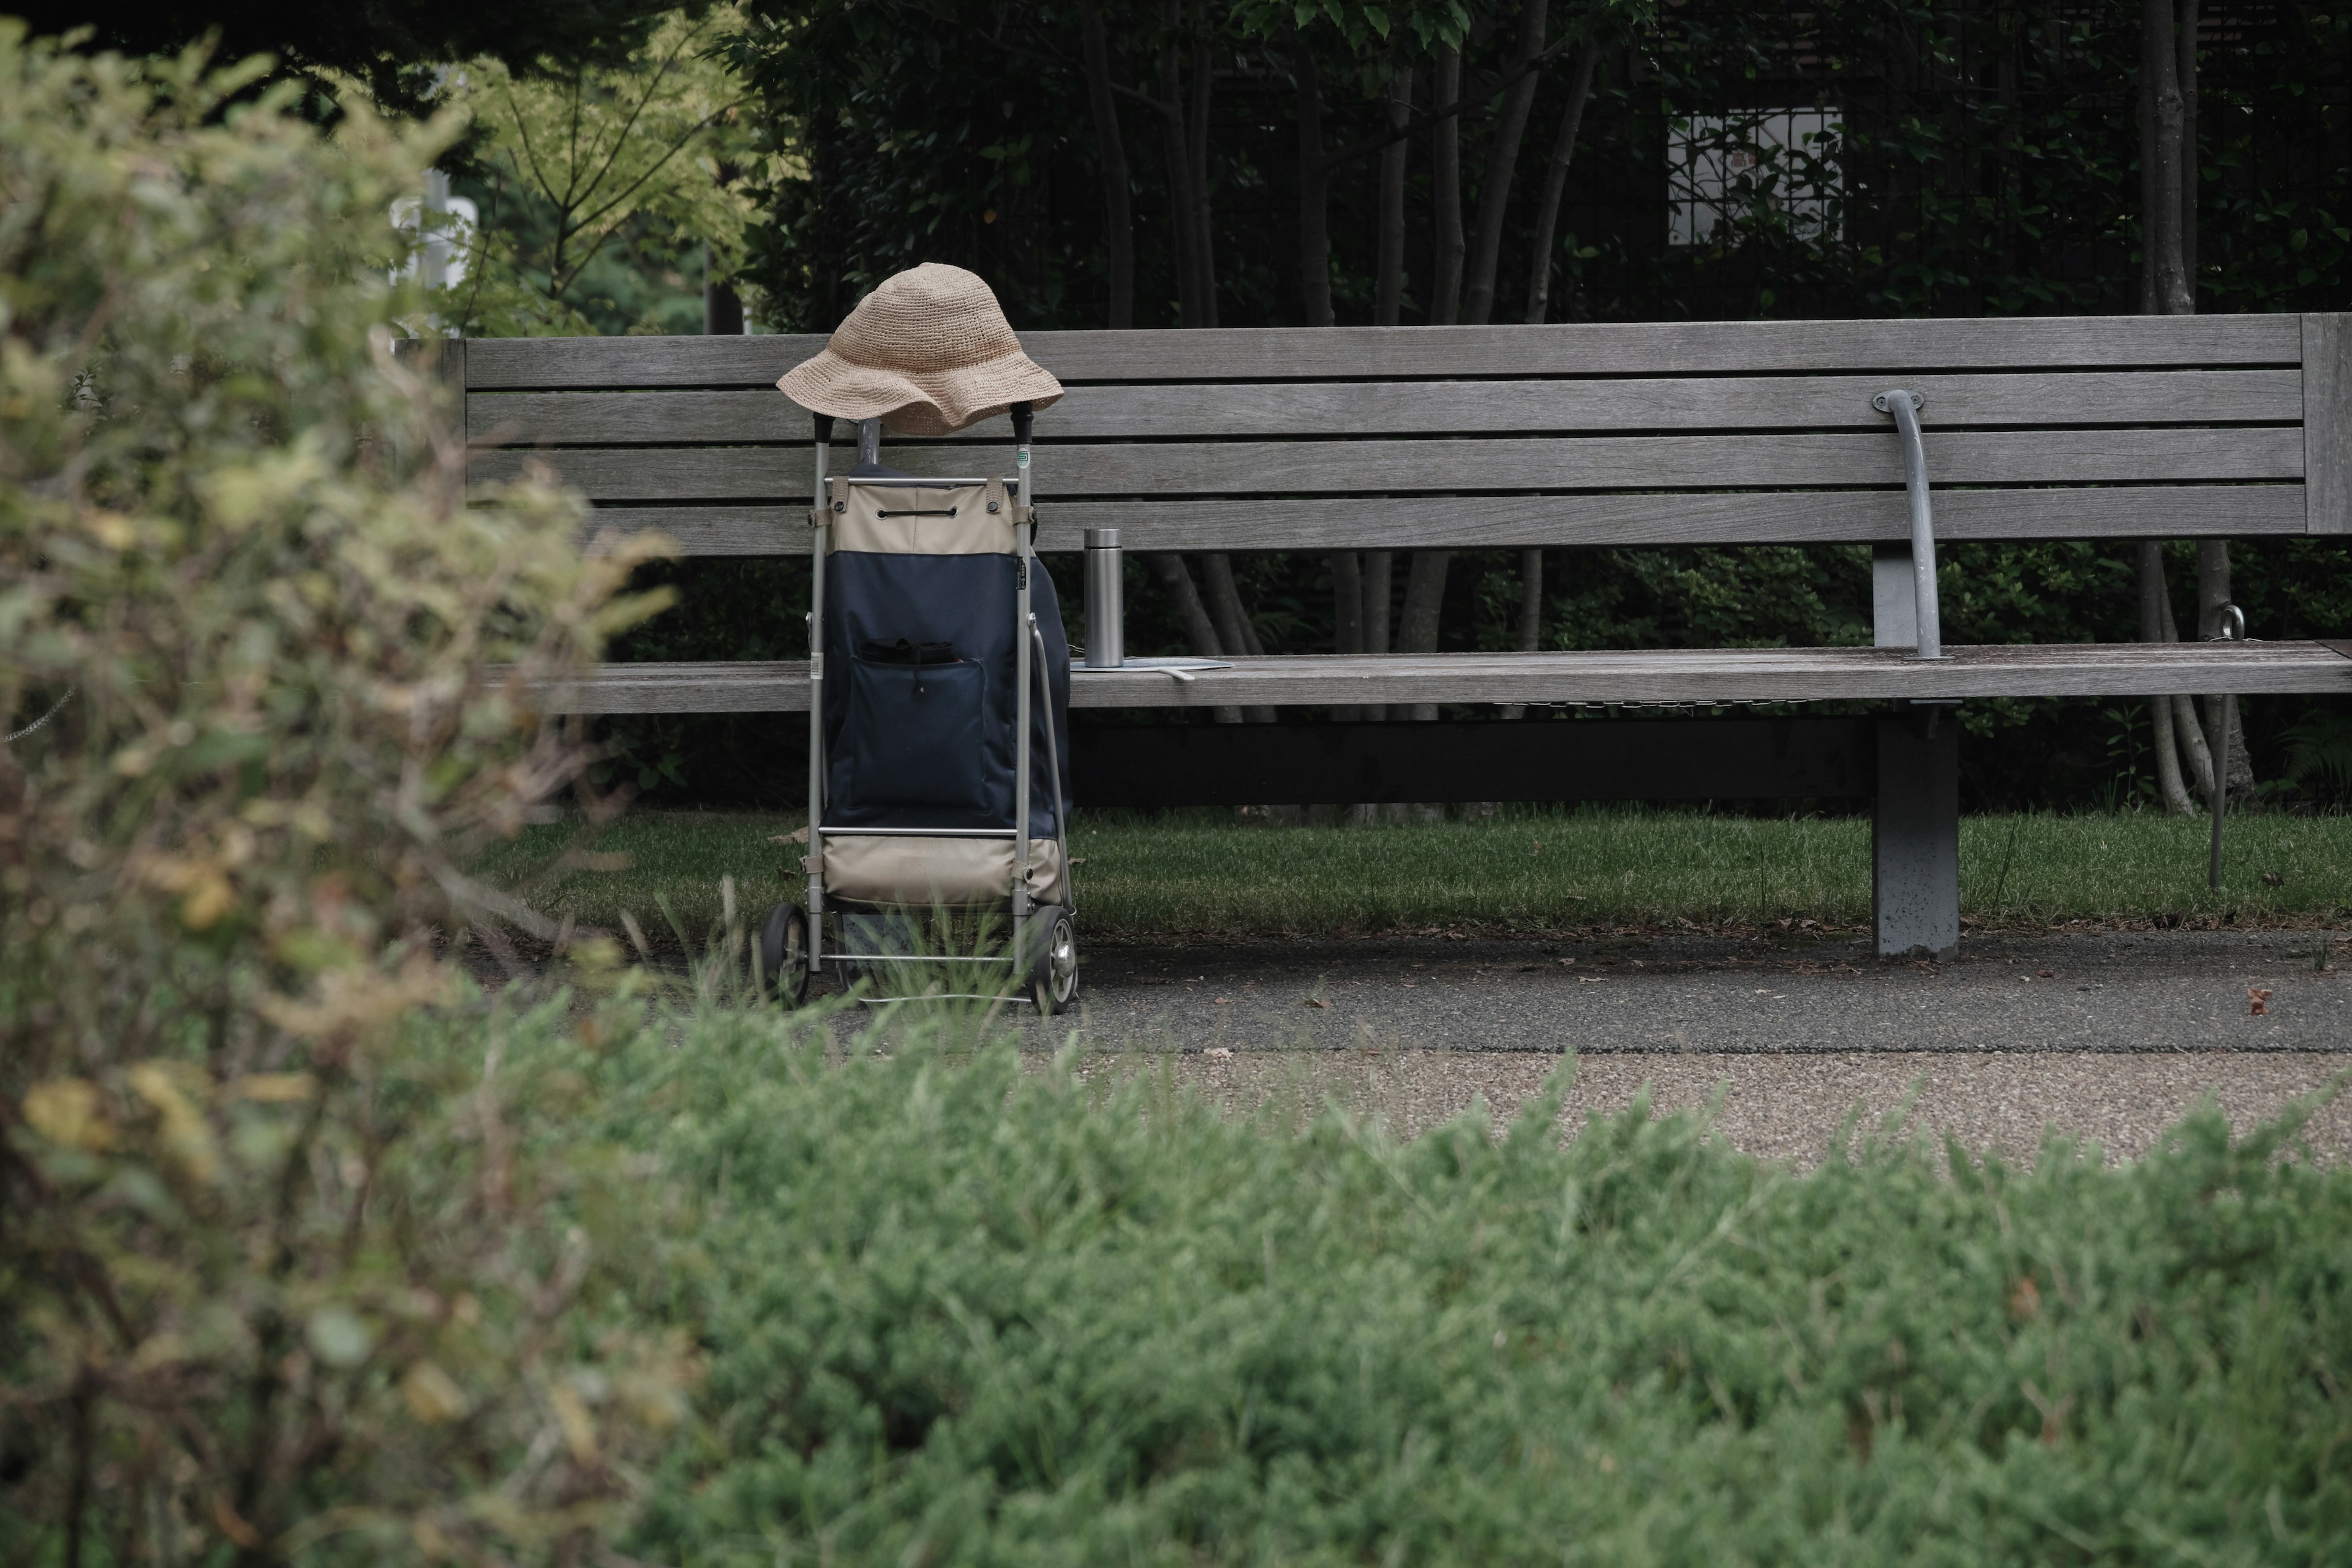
<point>1201,872</point>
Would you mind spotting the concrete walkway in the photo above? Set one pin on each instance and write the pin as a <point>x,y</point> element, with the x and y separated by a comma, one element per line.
<point>2106,1036</point>
<point>2106,992</point>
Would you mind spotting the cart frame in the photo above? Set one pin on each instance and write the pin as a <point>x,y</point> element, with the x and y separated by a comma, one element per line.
<point>1029,666</point>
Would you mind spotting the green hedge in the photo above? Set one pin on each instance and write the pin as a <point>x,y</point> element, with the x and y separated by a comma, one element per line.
<point>956,1310</point>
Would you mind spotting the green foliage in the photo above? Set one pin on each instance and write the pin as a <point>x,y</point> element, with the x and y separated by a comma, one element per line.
<point>364,1312</point>
<point>576,166</point>
<point>276,1280</point>
<point>964,1312</point>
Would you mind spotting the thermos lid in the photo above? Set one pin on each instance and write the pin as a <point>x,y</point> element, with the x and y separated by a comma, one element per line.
<point>1102,539</point>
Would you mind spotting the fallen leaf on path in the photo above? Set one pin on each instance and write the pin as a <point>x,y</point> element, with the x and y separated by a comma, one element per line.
<point>2042,973</point>
<point>2259,1000</point>
<point>1317,1002</point>
<point>1591,979</point>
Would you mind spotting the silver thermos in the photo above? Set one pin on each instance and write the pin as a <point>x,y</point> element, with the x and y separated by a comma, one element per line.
<point>1106,610</point>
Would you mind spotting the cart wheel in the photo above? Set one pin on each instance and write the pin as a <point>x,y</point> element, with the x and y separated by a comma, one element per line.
<point>783,955</point>
<point>1055,979</point>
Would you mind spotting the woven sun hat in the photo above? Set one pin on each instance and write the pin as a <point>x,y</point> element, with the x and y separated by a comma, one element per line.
<point>928,354</point>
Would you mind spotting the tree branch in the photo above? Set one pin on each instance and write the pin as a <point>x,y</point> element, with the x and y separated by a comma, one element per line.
<point>1416,125</point>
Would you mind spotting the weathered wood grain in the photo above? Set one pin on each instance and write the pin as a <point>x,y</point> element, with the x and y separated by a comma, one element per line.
<point>1497,522</point>
<point>1437,407</point>
<point>1694,676</point>
<point>1640,349</point>
<point>1601,462</point>
<point>2328,421</point>
<point>713,529</point>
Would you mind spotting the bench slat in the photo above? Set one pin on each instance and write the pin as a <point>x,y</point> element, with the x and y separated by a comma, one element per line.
<point>2327,420</point>
<point>1706,676</point>
<point>1785,517</point>
<point>1439,407</point>
<point>1663,348</point>
<point>1602,462</point>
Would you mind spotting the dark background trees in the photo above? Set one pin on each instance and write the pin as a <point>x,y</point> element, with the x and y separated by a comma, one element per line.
<point>1184,162</point>
<point>1175,163</point>
<point>392,45</point>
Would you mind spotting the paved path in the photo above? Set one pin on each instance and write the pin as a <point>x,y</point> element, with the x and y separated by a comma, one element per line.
<point>2107,1037</point>
<point>1788,1107</point>
<point>2106,992</point>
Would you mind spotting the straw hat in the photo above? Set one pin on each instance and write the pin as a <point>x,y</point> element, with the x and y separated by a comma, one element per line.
<point>928,354</point>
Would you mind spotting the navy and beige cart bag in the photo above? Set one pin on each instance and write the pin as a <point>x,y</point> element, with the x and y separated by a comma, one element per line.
<point>940,676</point>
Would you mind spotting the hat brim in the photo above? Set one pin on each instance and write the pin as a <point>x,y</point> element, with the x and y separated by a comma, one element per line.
<point>929,402</point>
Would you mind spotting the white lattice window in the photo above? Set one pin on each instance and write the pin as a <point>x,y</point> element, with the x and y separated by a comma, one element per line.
<point>1727,166</point>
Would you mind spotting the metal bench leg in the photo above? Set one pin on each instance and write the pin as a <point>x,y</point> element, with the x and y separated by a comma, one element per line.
<point>1914,824</point>
<point>1915,835</point>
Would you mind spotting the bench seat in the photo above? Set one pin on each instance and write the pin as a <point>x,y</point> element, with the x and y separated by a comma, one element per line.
<point>1696,676</point>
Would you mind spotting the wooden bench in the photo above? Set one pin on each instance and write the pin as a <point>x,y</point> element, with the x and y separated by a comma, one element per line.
<point>1487,437</point>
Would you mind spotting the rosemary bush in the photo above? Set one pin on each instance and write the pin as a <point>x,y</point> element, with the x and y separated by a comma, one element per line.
<point>960,1312</point>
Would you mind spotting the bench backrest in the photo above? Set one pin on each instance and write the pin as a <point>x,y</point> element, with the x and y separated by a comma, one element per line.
<point>1725,432</point>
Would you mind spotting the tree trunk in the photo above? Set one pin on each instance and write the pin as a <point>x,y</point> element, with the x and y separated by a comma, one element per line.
<point>1563,148</point>
<point>1200,632</point>
<point>1182,211</point>
<point>1417,626</point>
<point>2146,109</point>
<point>824,247</point>
<point>2166,282</point>
<point>1235,631</point>
<point>1346,612</point>
<point>2184,39</point>
<point>2212,594</point>
<point>1502,162</point>
<point>1346,603</point>
<point>1111,150</point>
<point>1379,582</point>
<point>1205,231</point>
<point>1531,594</point>
<point>1314,190</point>
<point>2196,756</point>
<point>2152,595</point>
<point>2197,761</point>
<point>2160,91</point>
<point>1379,592</point>
<point>1388,268</point>
<point>1425,594</point>
<point>722,308</point>
<point>1425,579</point>
<point>1445,191</point>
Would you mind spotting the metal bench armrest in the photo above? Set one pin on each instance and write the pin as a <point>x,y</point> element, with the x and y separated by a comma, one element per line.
<point>1905,406</point>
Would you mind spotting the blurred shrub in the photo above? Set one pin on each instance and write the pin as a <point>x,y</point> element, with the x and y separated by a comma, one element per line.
<point>276,1278</point>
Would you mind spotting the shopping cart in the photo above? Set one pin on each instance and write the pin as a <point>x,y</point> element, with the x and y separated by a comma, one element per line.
<point>938,728</point>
